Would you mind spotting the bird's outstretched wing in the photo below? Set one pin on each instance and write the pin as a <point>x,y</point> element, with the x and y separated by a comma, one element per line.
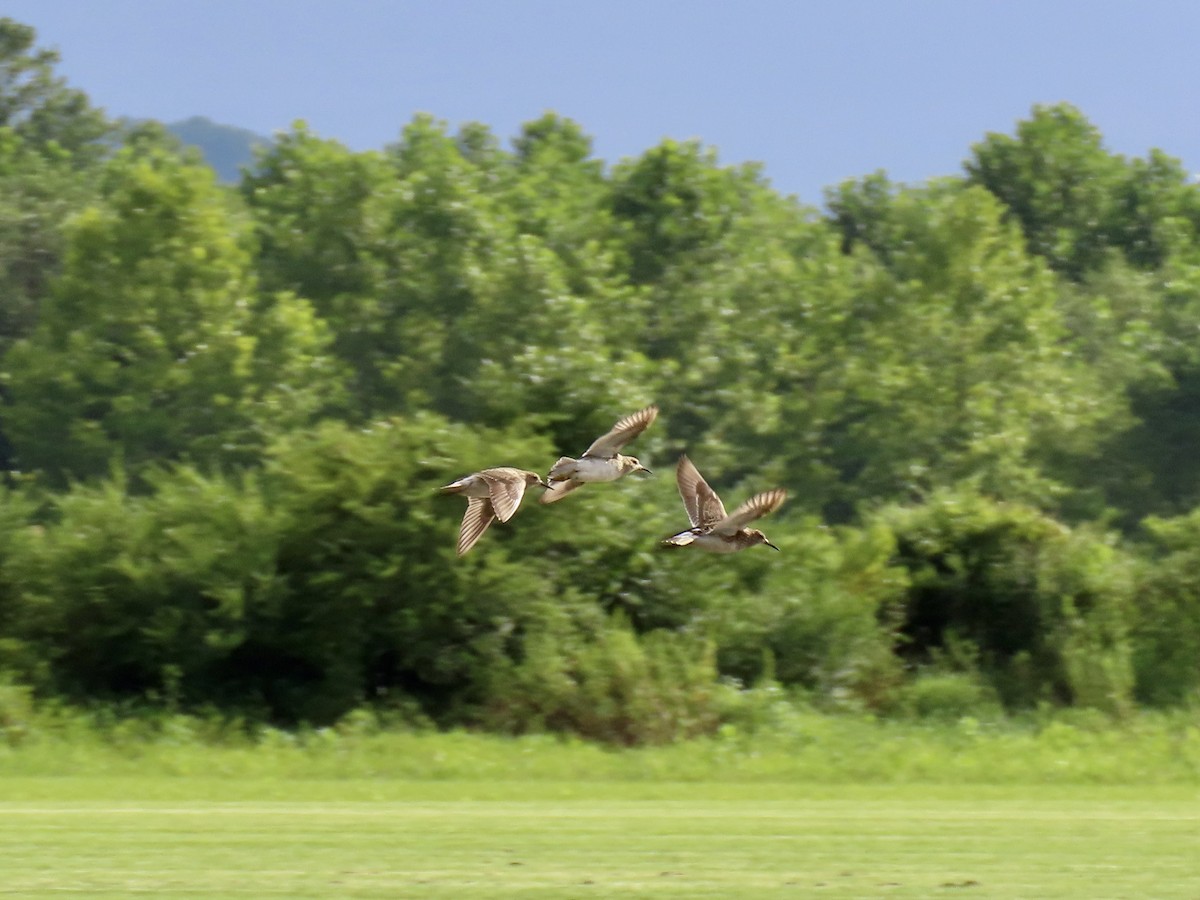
<point>476,519</point>
<point>558,490</point>
<point>754,508</point>
<point>507,487</point>
<point>704,507</point>
<point>609,445</point>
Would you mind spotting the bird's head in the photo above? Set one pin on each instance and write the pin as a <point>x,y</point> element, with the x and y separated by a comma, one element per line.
<point>757,537</point>
<point>632,464</point>
<point>532,478</point>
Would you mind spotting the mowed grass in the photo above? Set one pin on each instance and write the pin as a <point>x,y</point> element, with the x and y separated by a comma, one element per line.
<point>816,807</point>
<point>203,837</point>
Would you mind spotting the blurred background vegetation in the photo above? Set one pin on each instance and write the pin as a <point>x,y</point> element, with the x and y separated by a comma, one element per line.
<point>225,408</point>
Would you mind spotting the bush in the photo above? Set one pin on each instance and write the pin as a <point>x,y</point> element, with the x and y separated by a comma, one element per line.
<point>295,595</point>
<point>1089,583</point>
<point>16,712</point>
<point>1166,629</point>
<point>18,537</point>
<point>376,604</point>
<point>612,686</point>
<point>819,612</point>
<point>945,695</point>
<point>139,596</point>
<point>1042,610</point>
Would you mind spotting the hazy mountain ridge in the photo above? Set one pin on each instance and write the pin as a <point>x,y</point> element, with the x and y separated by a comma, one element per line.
<point>227,148</point>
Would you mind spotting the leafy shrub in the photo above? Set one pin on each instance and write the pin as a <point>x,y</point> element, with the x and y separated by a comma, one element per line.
<point>819,611</point>
<point>18,535</point>
<point>1043,610</point>
<point>1091,583</point>
<point>16,712</point>
<point>613,686</point>
<point>945,695</point>
<point>138,596</point>
<point>1166,628</point>
<point>375,603</point>
<point>296,594</point>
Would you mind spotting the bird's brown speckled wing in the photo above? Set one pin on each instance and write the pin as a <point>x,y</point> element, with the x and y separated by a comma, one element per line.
<point>704,507</point>
<point>476,519</point>
<point>754,508</point>
<point>609,445</point>
<point>507,488</point>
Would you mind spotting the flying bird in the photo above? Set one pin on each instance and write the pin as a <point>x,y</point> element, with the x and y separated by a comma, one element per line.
<point>602,461</point>
<point>491,494</point>
<point>712,528</point>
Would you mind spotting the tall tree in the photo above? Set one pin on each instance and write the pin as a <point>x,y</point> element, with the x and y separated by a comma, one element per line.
<point>1126,233</point>
<point>950,358</point>
<point>319,217</point>
<point>50,139</point>
<point>155,343</point>
<point>39,106</point>
<point>1077,202</point>
<point>38,193</point>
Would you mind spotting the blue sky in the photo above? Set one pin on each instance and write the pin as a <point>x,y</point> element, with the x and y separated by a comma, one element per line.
<point>815,91</point>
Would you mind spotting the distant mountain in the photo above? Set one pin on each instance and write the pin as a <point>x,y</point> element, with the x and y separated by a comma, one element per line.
<point>226,148</point>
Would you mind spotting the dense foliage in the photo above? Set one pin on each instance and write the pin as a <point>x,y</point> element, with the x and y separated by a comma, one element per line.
<point>226,410</point>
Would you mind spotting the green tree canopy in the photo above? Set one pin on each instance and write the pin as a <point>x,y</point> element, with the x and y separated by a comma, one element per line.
<point>1077,202</point>
<point>155,344</point>
<point>39,106</point>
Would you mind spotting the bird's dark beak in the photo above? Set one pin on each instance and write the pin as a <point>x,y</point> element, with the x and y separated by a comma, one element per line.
<point>769,544</point>
<point>544,484</point>
<point>644,469</point>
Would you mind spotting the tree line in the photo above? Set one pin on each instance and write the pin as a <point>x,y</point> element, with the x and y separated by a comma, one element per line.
<point>225,411</point>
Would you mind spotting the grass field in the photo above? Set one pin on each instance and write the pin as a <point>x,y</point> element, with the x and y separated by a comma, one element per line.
<point>820,806</point>
<point>203,837</point>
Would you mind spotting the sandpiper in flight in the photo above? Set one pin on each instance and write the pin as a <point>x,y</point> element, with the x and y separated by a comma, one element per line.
<point>491,494</point>
<point>712,528</point>
<point>601,461</point>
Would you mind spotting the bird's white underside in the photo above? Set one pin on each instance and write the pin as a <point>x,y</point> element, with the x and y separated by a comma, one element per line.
<point>586,470</point>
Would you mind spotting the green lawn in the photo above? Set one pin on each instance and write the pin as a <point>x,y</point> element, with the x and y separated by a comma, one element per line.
<point>162,835</point>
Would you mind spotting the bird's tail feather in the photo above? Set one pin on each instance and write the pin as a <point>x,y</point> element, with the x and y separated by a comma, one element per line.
<point>679,540</point>
<point>562,469</point>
